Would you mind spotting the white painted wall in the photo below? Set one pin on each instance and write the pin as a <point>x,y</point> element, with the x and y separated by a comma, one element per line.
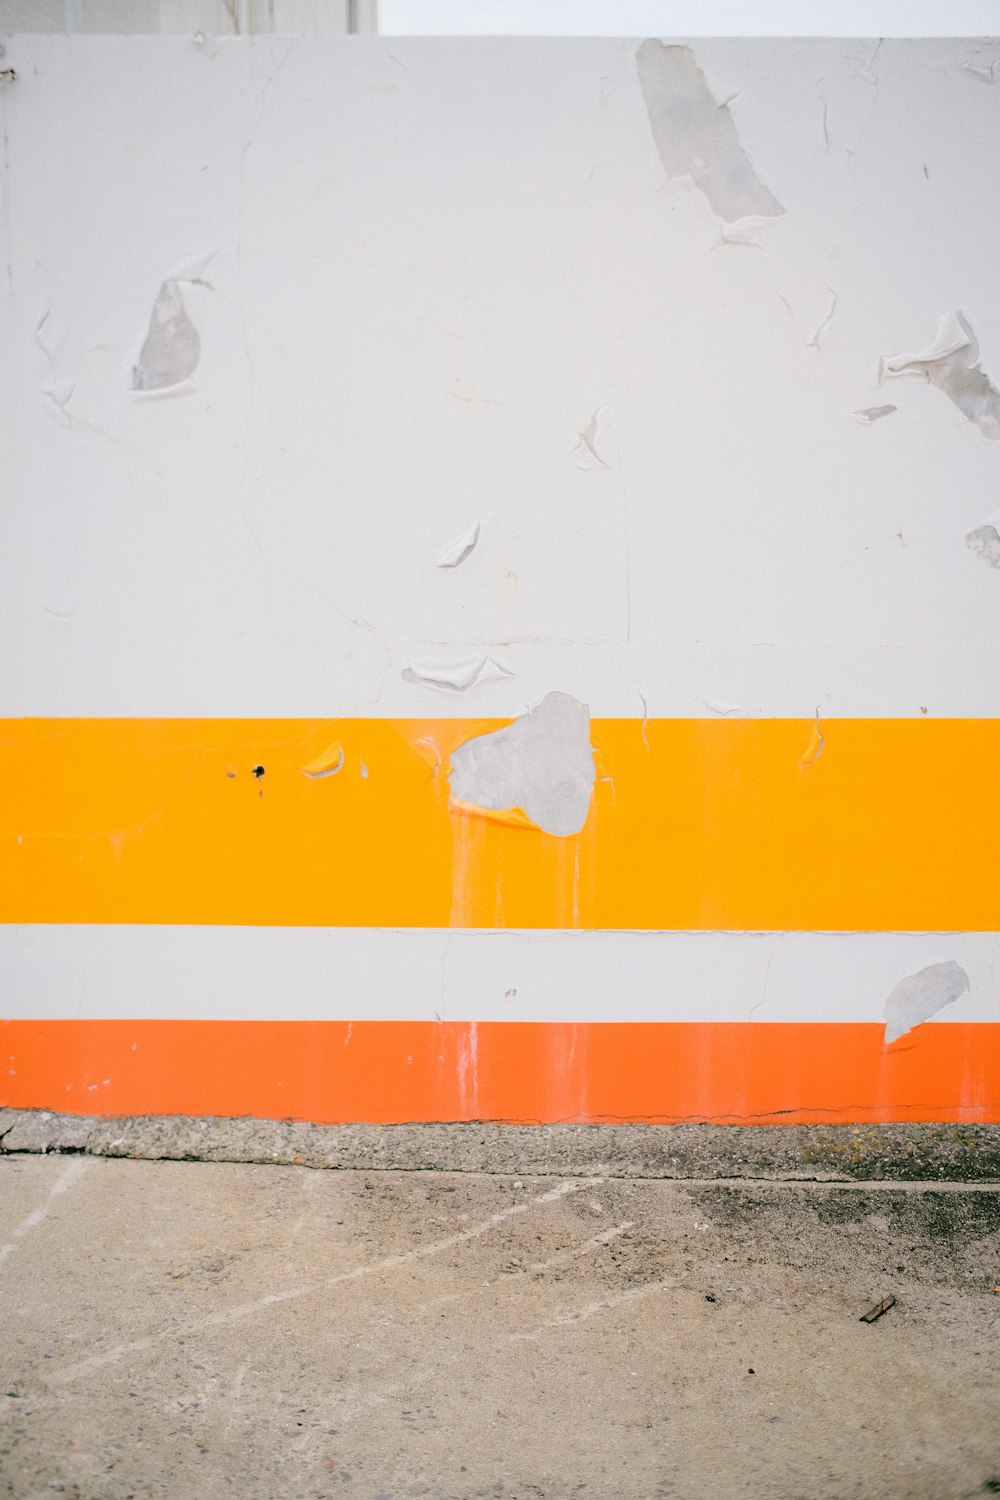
<point>428,265</point>
<point>418,269</point>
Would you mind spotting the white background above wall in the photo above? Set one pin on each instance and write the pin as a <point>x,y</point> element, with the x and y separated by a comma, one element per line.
<point>689,18</point>
<point>662,18</point>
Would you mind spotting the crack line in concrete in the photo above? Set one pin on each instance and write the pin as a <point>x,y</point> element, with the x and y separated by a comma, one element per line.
<point>82,1367</point>
<point>65,1180</point>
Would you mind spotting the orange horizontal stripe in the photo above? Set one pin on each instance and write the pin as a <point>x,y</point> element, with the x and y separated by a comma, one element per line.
<point>694,824</point>
<point>398,1071</point>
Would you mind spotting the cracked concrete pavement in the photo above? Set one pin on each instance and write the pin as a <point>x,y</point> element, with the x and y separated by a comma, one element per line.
<point>202,1329</point>
<point>901,1152</point>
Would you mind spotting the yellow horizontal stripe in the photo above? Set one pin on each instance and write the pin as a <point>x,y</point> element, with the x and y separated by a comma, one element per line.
<point>694,824</point>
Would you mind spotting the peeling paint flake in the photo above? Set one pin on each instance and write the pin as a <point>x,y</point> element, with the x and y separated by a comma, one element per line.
<point>818,337</point>
<point>952,364</point>
<point>172,349</point>
<point>542,765</point>
<point>59,390</point>
<point>724,709</point>
<point>985,543</point>
<point>327,763</point>
<point>870,414</point>
<point>696,137</point>
<point>987,72</point>
<point>453,554</point>
<point>456,677</point>
<point>587,451</point>
<point>920,996</point>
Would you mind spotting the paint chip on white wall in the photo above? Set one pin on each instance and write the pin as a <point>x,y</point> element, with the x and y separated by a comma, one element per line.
<point>920,996</point>
<point>952,364</point>
<point>870,414</point>
<point>987,72</point>
<point>456,676</point>
<point>985,543</point>
<point>453,554</point>
<point>589,441</point>
<point>696,137</point>
<point>172,348</point>
<point>722,707</point>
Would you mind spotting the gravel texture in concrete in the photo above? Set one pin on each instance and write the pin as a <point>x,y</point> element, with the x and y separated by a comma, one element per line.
<point>905,1153</point>
<point>174,1329</point>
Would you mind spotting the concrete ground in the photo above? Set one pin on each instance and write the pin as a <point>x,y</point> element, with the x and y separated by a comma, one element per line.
<point>208,1329</point>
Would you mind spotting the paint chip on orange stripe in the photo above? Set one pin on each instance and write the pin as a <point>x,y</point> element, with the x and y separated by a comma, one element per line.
<point>512,817</point>
<point>814,749</point>
<point>327,763</point>
<point>542,764</point>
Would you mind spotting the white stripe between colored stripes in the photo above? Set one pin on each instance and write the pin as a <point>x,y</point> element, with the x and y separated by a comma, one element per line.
<point>304,973</point>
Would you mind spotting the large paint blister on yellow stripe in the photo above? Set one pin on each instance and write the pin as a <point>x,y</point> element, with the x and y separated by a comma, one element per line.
<point>693,824</point>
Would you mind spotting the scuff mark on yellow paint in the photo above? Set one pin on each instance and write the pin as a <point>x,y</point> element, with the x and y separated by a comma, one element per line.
<point>814,749</point>
<point>428,752</point>
<point>645,720</point>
